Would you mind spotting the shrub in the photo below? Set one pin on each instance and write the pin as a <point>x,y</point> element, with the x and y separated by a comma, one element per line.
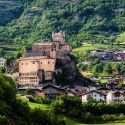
<point>31,99</point>
<point>3,120</point>
<point>88,118</point>
<point>71,106</point>
<point>39,117</point>
<point>107,117</point>
<point>40,100</point>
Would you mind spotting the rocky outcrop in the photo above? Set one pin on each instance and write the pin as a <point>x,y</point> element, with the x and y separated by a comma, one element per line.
<point>70,75</point>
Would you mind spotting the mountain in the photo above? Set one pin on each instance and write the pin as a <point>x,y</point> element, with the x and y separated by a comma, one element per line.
<point>26,21</point>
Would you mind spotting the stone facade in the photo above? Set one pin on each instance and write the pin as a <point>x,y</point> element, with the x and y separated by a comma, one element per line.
<point>38,64</point>
<point>33,70</point>
<point>51,49</point>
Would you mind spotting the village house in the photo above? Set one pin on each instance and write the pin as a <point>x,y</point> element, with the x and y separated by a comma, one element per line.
<point>75,92</point>
<point>119,56</point>
<point>104,95</point>
<point>117,80</point>
<point>35,91</point>
<point>96,95</point>
<point>52,91</point>
<point>115,96</point>
<point>104,90</point>
<point>109,55</point>
<point>103,54</point>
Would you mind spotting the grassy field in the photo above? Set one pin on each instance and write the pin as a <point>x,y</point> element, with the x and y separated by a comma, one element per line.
<point>104,124</point>
<point>89,46</point>
<point>74,122</point>
<point>121,37</point>
<point>41,106</point>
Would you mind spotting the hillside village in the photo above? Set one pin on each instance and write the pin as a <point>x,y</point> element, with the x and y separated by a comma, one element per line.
<point>40,67</point>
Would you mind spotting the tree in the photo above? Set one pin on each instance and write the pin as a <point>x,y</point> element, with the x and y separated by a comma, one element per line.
<point>29,91</point>
<point>2,52</point>
<point>95,74</point>
<point>8,89</point>
<point>108,68</point>
<point>67,105</point>
<point>120,85</point>
<point>123,69</point>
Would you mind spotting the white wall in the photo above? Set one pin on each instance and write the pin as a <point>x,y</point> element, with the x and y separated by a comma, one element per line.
<point>94,95</point>
<point>111,98</point>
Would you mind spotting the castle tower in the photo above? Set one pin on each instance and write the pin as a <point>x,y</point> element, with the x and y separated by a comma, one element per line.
<point>58,37</point>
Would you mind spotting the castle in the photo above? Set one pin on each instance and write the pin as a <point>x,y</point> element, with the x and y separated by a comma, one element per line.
<point>38,65</point>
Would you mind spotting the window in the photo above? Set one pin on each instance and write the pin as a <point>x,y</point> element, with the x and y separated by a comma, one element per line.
<point>41,62</point>
<point>48,62</point>
<point>95,95</point>
<point>22,63</point>
<point>33,62</point>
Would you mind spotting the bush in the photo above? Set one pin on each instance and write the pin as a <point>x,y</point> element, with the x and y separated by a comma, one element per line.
<point>3,120</point>
<point>88,118</point>
<point>40,100</point>
<point>31,99</point>
<point>70,106</point>
<point>107,117</point>
<point>112,117</point>
<point>39,117</point>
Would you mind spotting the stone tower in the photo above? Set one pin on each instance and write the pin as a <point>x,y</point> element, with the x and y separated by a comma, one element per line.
<point>58,37</point>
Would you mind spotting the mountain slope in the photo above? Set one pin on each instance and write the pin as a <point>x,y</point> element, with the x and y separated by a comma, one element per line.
<point>79,19</point>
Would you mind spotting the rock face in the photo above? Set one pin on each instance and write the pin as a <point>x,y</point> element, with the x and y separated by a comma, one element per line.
<point>69,74</point>
<point>9,10</point>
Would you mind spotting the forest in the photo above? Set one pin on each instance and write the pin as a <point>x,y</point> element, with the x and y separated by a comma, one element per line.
<point>27,21</point>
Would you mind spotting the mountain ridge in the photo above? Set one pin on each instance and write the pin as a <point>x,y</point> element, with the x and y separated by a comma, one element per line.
<point>81,20</point>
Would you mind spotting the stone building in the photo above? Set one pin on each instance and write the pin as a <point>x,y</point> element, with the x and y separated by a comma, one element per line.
<point>51,49</point>
<point>35,70</point>
<point>38,64</point>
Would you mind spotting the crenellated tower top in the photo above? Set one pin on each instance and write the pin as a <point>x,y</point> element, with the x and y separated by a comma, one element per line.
<point>58,37</point>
